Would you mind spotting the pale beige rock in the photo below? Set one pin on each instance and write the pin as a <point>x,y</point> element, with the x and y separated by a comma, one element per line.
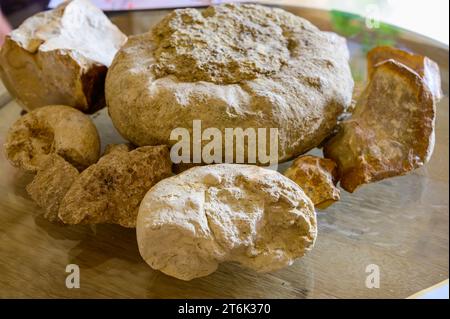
<point>391,131</point>
<point>317,177</point>
<point>60,57</point>
<point>51,183</point>
<point>231,66</point>
<point>189,223</point>
<point>57,129</point>
<point>111,190</point>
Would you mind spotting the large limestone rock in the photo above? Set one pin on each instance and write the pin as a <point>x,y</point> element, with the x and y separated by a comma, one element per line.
<point>231,66</point>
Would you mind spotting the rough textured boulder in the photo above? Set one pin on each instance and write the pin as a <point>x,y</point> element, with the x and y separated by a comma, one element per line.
<point>231,66</point>
<point>189,223</point>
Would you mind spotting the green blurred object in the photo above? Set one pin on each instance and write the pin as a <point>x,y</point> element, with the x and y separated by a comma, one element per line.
<point>354,26</point>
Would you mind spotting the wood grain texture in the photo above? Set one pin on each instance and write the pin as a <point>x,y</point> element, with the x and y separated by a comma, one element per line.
<point>400,224</point>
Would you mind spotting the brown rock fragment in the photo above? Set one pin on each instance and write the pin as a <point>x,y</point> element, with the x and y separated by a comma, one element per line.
<point>391,131</point>
<point>51,129</point>
<point>317,177</point>
<point>117,148</point>
<point>60,56</point>
<point>426,68</point>
<point>50,185</point>
<point>111,190</point>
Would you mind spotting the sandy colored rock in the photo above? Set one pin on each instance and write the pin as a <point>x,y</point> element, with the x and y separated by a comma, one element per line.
<point>231,66</point>
<point>189,223</point>
<point>391,131</point>
<point>60,57</point>
<point>57,129</point>
<point>317,177</point>
<point>51,183</point>
<point>426,68</point>
<point>111,190</point>
<point>110,148</point>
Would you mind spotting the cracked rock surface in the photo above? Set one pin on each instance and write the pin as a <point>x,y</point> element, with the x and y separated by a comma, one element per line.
<point>52,129</point>
<point>189,223</point>
<point>50,185</point>
<point>111,190</point>
<point>231,66</point>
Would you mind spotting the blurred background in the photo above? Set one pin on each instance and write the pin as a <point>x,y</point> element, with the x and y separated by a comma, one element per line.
<point>429,18</point>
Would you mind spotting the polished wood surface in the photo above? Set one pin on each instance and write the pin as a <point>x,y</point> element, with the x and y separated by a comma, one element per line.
<point>4,95</point>
<point>400,224</point>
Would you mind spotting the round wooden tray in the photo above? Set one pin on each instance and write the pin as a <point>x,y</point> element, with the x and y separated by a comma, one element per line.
<point>400,224</point>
